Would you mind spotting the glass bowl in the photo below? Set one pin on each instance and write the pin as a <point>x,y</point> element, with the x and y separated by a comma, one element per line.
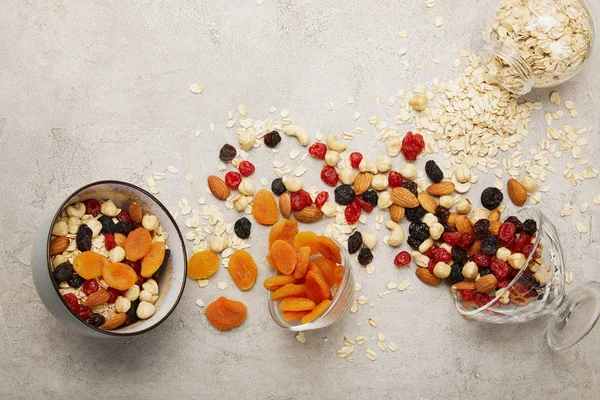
<point>572,316</point>
<point>343,297</point>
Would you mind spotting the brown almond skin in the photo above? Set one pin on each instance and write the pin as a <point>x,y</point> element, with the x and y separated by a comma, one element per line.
<point>135,212</point>
<point>404,198</point>
<point>114,322</point>
<point>58,245</point>
<point>120,239</point>
<point>218,187</point>
<point>97,298</point>
<point>463,224</point>
<point>308,214</point>
<point>427,277</point>
<point>494,215</point>
<point>396,212</point>
<point>441,189</point>
<point>427,202</point>
<point>285,205</point>
<point>452,220</point>
<point>486,283</point>
<point>516,192</point>
<point>362,182</point>
<point>465,285</point>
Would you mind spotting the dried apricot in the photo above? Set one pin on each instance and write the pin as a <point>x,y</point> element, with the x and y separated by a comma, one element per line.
<point>154,259</point>
<point>290,290</point>
<point>203,264</point>
<point>327,268</point>
<point>89,264</point>
<point>338,275</point>
<point>225,314</point>
<point>328,248</point>
<point>137,244</point>
<point>275,282</point>
<point>286,230</point>
<point>119,276</point>
<point>318,310</point>
<point>306,239</point>
<point>296,304</point>
<point>317,289</point>
<point>293,315</point>
<point>242,269</point>
<point>303,255</point>
<point>283,257</point>
<point>264,208</point>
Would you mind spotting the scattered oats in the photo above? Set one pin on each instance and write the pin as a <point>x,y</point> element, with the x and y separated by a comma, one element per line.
<point>391,285</point>
<point>277,164</point>
<point>439,21</point>
<point>569,104</point>
<point>345,351</point>
<point>300,170</point>
<point>363,300</point>
<point>435,60</point>
<point>581,228</point>
<point>392,346</point>
<point>222,167</point>
<point>325,339</point>
<point>259,2</point>
<point>356,115</point>
<point>403,285</point>
<point>372,322</point>
<point>361,340</point>
<point>350,359</point>
<point>567,210</point>
<point>402,52</point>
<point>284,113</point>
<point>330,106</point>
<point>300,337</point>
<point>212,127</point>
<point>555,98</point>
<point>201,200</point>
<point>222,285</point>
<point>150,181</point>
<point>198,133</point>
<point>370,269</point>
<point>294,153</point>
<point>172,169</point>
<point>403,34</point>
<point>230,123</point>
<point>199,303</point>
<point>569,277</point>
<point>456,63</point>
<point>203,283</point>
<point>154,190</point>
<point>382,346</point>
<point>419,65</point>
<point>370,354</point>
<point>354,308</point>
<point>380,337</point>
<point>597,198</point>
<point>196,88</point>
<point>243,110</point>
<point>272,109</point>
<point>347,341</point>
<point>584,207</point>
<point>350,100</point>
<point>429,3</point>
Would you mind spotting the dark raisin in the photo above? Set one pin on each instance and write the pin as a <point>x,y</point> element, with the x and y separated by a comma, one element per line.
<point>446,228</point>
<point>277,186</point>
<point>163,266</point>
<point>96,320</point>
<point>415,214</point>
<point>75,281</point>
<point>272,139</point>
<point>433,171</point>
<point>516,222</point>
<point>456,273</point>
<point>459,255</point>
<point>414,242</point>
<point>365,256</point>
<point>442,214</point>
<point>371,197</point>
<point>420,230</point>
<point>242,228</point>
<point>344,194</point>
<point>124,227</point>
<point>485,271</point>
<point>530,227</point>
<point>481,228</point>
<point>489,245</point>
<point>108,225</point>
<point>84,238</point>
<point>132,310</point>
<point>412,186</point>
<point>354,242</point>
<point>227,153</point>
<point>491,198</point>
<point>63,272</point>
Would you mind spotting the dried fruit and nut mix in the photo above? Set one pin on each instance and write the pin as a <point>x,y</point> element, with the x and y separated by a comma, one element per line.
<point>107,261</point>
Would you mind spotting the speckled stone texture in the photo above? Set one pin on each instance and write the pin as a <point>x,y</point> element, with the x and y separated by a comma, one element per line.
<point>100,89</point>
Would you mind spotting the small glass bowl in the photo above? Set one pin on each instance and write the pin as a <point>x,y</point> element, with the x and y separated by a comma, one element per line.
<point>341,303</point>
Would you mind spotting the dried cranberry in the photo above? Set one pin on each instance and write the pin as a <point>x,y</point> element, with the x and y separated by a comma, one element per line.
<point>114,293</point>
<point>90,286</point>
<point>84,312</point>
<point>109,241</point>
<point>431,265</point>
<point>516,221</point>
<point>402,259</point>
<point>520,243</point>
<point>467,295</point>
<point>329,175</point>
<point>412,146</point>
<point>504,282</point>
<point>321,199</point>
<point>431,252</point>
<point>500,268</point>
<point>123,216</point>
<point>227,153</point>
<point>71,300</point>
<point>442,214</point>
<point>233,179</point>
<point>452,238</point>
<point>528,249</point>
<point>355,159</point>
<point>466,240</point>
<point>352,213</point>
<point>395,179</point>
<point>482,260</point>
<point>141,280</point>
<point>272,139</point>
<point>128,320</point>
<point>506,232</point>
<point>318,150</point>
<point>481,228</point>
<point>366,207</point>
<point>300,199</point>
<point>136,265</point>
<point>481,299</point>
<point>442,255</point>
<point>246,168</point>
<point>92,206</point>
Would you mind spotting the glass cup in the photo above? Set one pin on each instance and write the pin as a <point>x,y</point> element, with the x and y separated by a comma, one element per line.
<point>343,298</point>
<point>572,316</point>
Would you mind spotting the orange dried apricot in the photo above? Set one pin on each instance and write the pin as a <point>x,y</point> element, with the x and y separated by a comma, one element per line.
<point>296,304</point>
<point>264,208</point>
<point>306,239</point>
<point>293,315</point>
<point>327,268</point>
<point>290,290</point>
<point>318,310</point>
<point>203,264</point>
<point>89,264</point>
<point>137,244</point>
<point>303,255</point>
<point>242,269</point>
<point>286,230</point>
<point>283,257</point>
<point>119,276</point>
<point>275,282</point>
<point>154,259</point>
<point>317,289</point>
<point>338,275</point>
<point>225,314</point>
<point>328,248</point>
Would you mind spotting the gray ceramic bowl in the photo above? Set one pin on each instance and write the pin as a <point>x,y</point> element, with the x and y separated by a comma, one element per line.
<point>171,282</point>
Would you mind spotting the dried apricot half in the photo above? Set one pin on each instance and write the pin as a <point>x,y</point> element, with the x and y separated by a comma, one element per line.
<point>338,275</point>
<point>119,276</point>
<point>293,315</point>
<point>316,288</point>
<point>327,268</point>
<point>242,269</point>
<point>89,264</point>
<point>154,259</point>
<point>303,255</point>
<point>225,314</point>
<point>277,281</point>
<point>296,304</point>
<point>203,264</point>
<point>137,244</point>
<point>286,230</point>
<point>283,257</point>
<point>328,248</point>
<point>306,238</point>
<point>264,208</point>
<point>290,290</point>
<point>318,310</point>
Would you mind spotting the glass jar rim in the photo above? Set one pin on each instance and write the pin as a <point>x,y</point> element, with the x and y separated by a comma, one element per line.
<point>494,49</point>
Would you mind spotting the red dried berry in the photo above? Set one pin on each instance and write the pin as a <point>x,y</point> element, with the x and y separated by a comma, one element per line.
<point>452,238</point>
<point>84,312</point>
<point>109,241</point>
<point>366,207</point>
<point>321,199</point>
<point>503,283</point>
<point>431,265</point>
<point>300,199</point>
<point>114,293</point>
<point>442,255</point>
<point>136,265</point>
<point>123,216</point>
<point>500,268</point>
<point>520,243</point>
<point>92,206</point>
<point>481,299</point>
<point>246,168</point>
<point>90,286</point>
<point>141,280</point>
<point>395,179</point>
<point>352,213</point>
<point>318,150</point>
<point>506,232</point>
<point>466,240</point>
<point>412,146</point>
<point>482,260</point>
<point>431,252</point>
<point>329,175</point>
<point>467,295</point>
<point>402,259</point>
<point>233,179</point>
<point>355,159</point>
<point>71,300</point>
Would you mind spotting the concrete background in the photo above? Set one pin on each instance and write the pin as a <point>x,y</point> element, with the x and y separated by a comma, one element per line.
<point>100,89</point>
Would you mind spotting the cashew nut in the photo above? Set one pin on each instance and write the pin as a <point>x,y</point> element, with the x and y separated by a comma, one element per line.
<point>334,144</point>
<point>60,228</point>
<point>420,259</point>
<point>462,173</point>
<point>150,222</point>
<point>95,226</point>
<point>426,245</point>
<point>109,209</point>
<point>298,132</point>
<point>246,187</point>
<point>77,211</point>
<point>460,187</point>
<point>59,259</point>
<point>429,219</point>
<point>397,236</point>
<point>73,224</point>
<point>247,140</point>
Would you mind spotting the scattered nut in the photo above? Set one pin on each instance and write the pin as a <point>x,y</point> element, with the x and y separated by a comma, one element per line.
<point>334,144</point>
<point>293,184</point>
<point>151,286</point>
<point>367,165</point>
<point>379,182</point>
<point>385,200</point>
<point>369,240</point>
<point>347,176</point>
<point>470,270</point>
<point>109,209</point>
<point>77,210</point>
<point>418,101</point>
<point>503,253</point>
<point>122,304</point>
<point>463,206</point>
<point>146,296</point>
<point>150,222</point>
<point>298,132</point>
<point>329,208</point>
<point>426,245</point>
<point>436,230</point>
<point>442,270</point>
<point>397,236</point>
<point>145,310</point>
<point>332,157</point>
<point>73,223</point>
<point>60,228</point>
<point>447,201</point>
<point>408,172</point>
<point>95,226</point>
<point>246,187</point>
<point>517,260</point>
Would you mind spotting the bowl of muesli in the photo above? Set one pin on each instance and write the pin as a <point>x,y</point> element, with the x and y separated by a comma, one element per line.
<point>109,260</point>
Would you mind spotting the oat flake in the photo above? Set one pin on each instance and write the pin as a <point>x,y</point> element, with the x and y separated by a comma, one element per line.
<point>370,354</point>
<point>300,337</point>
<point>373,322</point>
<point>203,283</point>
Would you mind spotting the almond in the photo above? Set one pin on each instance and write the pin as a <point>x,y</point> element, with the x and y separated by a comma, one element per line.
<point>218,187</point>
<point>464,285</point>
<point>452,220</point>
<point>475,247</point>
<point>494,215</point>
<point>404,198</point>
<point>308,214</point>
<point>486,283</point>
<point>427,202</point>
<point>58,245</point>
<point>114,322</point>
<point>120,239</point>
<point>516,192</point>
<point>427,277</point>
<point>362,183</point>
<point>100,296</point>
<point>135,212</point>
<point>494,227</point>
<point>285,205</point>
<point>463,224</point>
<point>441,189</point>
<point>396,212</point>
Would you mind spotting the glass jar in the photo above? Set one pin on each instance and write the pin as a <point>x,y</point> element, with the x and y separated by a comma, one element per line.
<point>529,44</point>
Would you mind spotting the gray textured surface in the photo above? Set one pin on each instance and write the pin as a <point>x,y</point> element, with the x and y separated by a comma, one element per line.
<point>92,90</point>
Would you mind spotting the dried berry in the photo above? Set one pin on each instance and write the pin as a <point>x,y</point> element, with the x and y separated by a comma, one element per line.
<point>466,240</point>
<point>485,271</point>
<point>84,238</point>
<point>124,227</point>
<point>482,260</point>
<point>459,255</point>
<point>530,227</point>
<point>366,207</point>
<point>272,139</point>
<point>354,242</point>
<point>434,173</point>
<point>411,186</point>
<point>277,186</point>
<point>246,168</point>
<point>395,179</point>
<point>233,179</point>
<point>71,300</point>
<point>242,228</point>
<point>481,228</point>
<point>84,312</point>
<point>456,273</point>
<point>90,286</point>
<point>489,245</point>
<point>164,264</point>
<point>420,230</point>
<point>467,295</point>
<point>506,232</point>
<point>92,206</point>
<point>519,245</point>
<point>227,153</point>
<point>318,150</point>
<point>452,238</point>
<point>481,299</point>
<point>491,198</point>
<point>352,213</point>
<point>355,159</point>
<point>371,197</point>
<point>114,293</point>
<point>500,268</point>
<point>63,272</point>
<point>321,199</point>
<point>131,313</point>
<point>442,255</point>
<point>300,199</point>
<point>516,222</point>
<point>108,225</point>
<point>96,320</point>
<point>124,216</point>
<point>402,259</point>
<point>329,175</point>
<point>344,194</point>
<point>442,214</point>
<point>415,214</point>
<point>414,242</point>
<point>75,281</point>
<point>109,241</point>
<point>412,146</point>
<point>365,256</point>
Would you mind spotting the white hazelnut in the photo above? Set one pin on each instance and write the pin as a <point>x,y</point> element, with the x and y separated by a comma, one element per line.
<point>151,286</point>
<point>379,182</point>
<point>246,187</point>
<point>148,297</point>
<point>122,304</point>
<point>240,202</point>
<point>109,209</point>
<point>408,172</point>
<point>446,247</point>
<point>441,270</point>
<point>60,228</point>
<point>426,245</point>
<point>116,254</point>
<point>369,240</point>
<point>517,260</point>
<point>447,201</point>
<point>247,139</point>
<point>347,176</point>
<point>133,293</point>
<point>334,144</point>
<point>150,222</point>
<point>479,213</point>
<point>367,165</point>
<point>463,206</point>
<point>384,163</point>
<point>77,210</point>
<point>385,200</point>
<point>145,310</point>
<point>332,157</point>
<point>503,253</point>
<point>462,173</point>
<point>292,184</point>
<point>329,209</point>
<point>59,259</point>
<point>429,219</point>
<point>95,226</point>
<point>418,101</point>
<point>420,259</point>
<point>218,244</point>
<point>470,270</point>
<point>393,147</point>
<point>436,230</point>
<point>73,224</point>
